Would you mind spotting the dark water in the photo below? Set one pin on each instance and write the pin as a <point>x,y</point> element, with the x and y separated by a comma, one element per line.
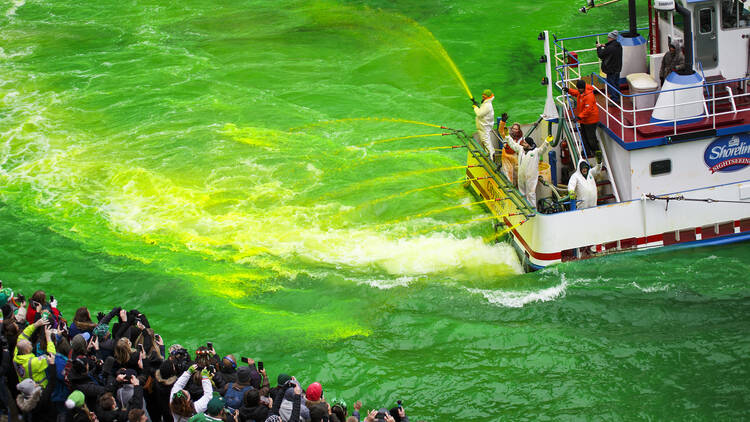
<point>231,170</point>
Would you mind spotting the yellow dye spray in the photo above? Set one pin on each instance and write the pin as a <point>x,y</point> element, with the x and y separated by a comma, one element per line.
<point>362,119</point>
<point>398,138</point>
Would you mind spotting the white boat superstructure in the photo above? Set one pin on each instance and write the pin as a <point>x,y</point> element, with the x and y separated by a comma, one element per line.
<point>676,153</point>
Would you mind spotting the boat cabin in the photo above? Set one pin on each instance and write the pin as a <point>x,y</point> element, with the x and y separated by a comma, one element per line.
<point>689,130</point>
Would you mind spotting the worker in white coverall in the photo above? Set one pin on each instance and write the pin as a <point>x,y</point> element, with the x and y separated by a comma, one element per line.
<point>583,185</point>
<point>485,119</point>
<point>528,165</point>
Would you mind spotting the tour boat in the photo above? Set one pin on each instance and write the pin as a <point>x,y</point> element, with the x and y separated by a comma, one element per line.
<point>676,154</point>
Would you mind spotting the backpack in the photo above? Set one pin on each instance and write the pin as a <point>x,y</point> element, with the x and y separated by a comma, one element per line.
<point>79,362</point>
<point>233,397</point>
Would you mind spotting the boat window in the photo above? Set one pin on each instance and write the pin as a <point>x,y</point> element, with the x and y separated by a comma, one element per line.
<point>705,21</point>
<point>734,15</point>
<point>661,167</point>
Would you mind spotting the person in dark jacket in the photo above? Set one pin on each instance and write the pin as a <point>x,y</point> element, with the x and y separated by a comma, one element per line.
<point>252,409</point>
<point>611,56</point>
<point>108,409</point>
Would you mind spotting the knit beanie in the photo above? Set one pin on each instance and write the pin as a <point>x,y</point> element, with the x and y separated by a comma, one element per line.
<point>314,391</point>
<point>274,418</point>
<point>6,294</point>
<point>243,375</point>
<point>27,387</point>
<point>79,345</point>
<point>75,399</point>
<point>215,406</point>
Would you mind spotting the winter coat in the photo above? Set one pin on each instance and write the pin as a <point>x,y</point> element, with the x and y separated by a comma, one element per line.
<point>257,413</point>
<point>586,108</point>
<point>611,55</point>
<point>30,366</point>
<point>200,404</point>
<point>39,406</point>
<point>292,409</point>
<point>120,414</point>
<point>672,61</point>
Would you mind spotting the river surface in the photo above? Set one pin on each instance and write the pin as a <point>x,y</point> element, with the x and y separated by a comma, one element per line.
<point>253,173</point>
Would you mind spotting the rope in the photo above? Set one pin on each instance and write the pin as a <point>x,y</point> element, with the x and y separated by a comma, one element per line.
<point>682,198</point>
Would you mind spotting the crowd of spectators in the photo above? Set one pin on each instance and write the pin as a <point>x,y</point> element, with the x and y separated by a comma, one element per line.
<point>116,368</point>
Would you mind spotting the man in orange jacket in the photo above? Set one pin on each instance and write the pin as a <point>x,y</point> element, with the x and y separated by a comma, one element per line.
<point>587,114</point>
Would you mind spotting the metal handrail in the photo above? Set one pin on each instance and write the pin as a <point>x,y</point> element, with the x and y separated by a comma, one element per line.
<point>500,179</point>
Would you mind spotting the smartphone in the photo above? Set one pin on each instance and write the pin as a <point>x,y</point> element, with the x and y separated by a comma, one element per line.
<point>260,365</point>
<point>246,360</point>
<point>158,337</point>
<point>140,346</point>
<point>209,345</point>
<point>51,298</point>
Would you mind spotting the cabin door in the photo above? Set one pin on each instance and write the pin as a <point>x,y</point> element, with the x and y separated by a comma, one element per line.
<point>706,46</point>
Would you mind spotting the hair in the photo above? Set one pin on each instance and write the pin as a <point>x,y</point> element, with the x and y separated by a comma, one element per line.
<point>181,405</point>
<point>39,296</point>
<point>122,351</point>
<point>351,419</point>
<point>252,398</point>
<point>23,346</point>
<point>10,327</point>
<point>63,346</point>
<point>107,401</point>
<point>82,315</point>
<point>339,411</point>
<point>580,84</point>
<point>135,415</point>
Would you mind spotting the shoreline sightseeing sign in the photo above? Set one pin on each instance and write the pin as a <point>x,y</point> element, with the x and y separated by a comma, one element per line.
<point>728,153</point>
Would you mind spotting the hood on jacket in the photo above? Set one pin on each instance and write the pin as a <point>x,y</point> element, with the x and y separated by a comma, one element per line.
<point>27,404</point>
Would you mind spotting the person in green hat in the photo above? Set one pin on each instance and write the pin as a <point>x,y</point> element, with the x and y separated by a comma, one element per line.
<point>485,119</point>
<point>214,411</point>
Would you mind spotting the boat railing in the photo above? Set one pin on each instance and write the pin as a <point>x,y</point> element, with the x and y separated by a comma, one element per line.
<point>623,117</point>
<point>630,117</point>
<point>569,61</point>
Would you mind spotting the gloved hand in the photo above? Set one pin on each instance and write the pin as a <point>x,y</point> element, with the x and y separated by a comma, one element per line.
<point>598,155</point>
<point>192,368</point>
<point>99,316</point>
<point>565,89</point>
<point>573,195</point>
<point>504,117</point>
<point>473,101</point>
<point>205,373</point>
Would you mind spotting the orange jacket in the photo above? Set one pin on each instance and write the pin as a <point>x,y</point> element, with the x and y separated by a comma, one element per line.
<point>586,109</point>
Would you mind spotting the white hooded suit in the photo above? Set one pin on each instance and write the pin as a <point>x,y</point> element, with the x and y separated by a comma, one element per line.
<point>585,187</point>
<point>528,168</point>
<point>485,119</point>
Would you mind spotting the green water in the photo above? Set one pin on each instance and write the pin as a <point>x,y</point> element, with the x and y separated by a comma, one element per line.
<point>216,166</point>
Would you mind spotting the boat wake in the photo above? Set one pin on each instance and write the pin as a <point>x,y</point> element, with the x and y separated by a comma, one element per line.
<point>520,298</point>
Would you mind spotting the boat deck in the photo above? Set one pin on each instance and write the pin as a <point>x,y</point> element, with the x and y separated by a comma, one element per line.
<point>639,132</point>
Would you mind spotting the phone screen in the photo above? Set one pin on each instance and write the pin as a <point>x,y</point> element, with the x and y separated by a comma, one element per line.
<point>260,365</point>
<point>210,345</point>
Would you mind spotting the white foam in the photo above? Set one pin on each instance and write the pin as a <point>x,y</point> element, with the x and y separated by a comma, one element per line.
<point>658,287</point>
<point>519,298</point>
<point>14,7</point>
<point>385,284</point>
